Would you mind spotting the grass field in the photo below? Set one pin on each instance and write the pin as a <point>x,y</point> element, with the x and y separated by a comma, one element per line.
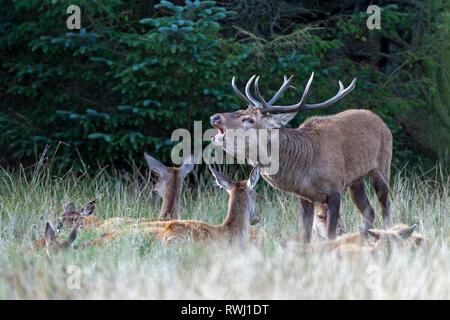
<point>138,266</point>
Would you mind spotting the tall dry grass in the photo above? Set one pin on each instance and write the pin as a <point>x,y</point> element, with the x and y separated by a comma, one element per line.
<point>138,266</point>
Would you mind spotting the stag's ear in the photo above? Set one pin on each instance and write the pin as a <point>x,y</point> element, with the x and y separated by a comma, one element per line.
<point>187,165</point>
<point>221,180</point>
<point>278,120</point>
<point>156,166</point>
<point>69,208</point>
<point>49,233</point>
<point>254,177</point>
<point>88,209</point>
<point>407,232</point>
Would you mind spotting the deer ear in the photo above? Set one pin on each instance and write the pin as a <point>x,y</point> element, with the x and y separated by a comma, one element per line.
<point>221,180</point>
<point>69,208</point>
<point>156,166</point>
<point>374,233</point>
<point>187,165</point>
<point>254,177</point>
<point>407,232</point>
<point>49,233</point>
<point>88,209</point>
<point>73,234</point>
<point>281,119</point>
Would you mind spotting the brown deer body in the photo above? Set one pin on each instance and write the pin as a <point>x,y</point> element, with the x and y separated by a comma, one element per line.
<point>241,212</point>
<point>372,241</point>
<point>234,229</point>
<point>321,158</point>
<point>169,185</point>
<point>86,219</point>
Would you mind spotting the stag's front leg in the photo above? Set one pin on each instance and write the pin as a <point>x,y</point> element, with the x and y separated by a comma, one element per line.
<point>334,204</point>
<point>306,218</point>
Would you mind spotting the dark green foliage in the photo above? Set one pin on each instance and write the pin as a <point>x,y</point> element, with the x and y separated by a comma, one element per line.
<point>137,70</point>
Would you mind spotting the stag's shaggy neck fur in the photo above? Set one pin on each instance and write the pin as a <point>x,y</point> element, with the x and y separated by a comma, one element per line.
<point>295,146</point>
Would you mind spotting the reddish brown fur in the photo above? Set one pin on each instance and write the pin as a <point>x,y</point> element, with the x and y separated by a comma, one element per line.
<point>375,239</point>
<point>324,156</point>
<point>234,229</point>
<point>169,185</point>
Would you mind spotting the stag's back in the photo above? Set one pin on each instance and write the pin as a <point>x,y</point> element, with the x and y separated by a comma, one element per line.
<point>326,154</point>
<point>349,146</point>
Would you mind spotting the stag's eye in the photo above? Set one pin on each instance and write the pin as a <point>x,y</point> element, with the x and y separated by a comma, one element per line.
<point>249,120</point>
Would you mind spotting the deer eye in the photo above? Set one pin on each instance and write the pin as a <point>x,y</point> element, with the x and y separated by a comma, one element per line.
<point>249,120</point>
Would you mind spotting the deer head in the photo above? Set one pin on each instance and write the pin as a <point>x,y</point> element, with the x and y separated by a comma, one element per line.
<point>170,184</point>
<point>50,239</point>
<point>243,197</point>
<point>71,216</point>
<point>392,236</point>
<point>265,115</point>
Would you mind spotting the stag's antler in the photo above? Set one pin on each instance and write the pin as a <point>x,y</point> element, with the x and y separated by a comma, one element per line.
<point>249,99</point>
<point>269,107</point>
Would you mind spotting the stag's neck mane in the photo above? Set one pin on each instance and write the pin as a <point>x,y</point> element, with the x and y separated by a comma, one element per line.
<point>297,161</point>
<point>298,143</point>
<point>295,146</point>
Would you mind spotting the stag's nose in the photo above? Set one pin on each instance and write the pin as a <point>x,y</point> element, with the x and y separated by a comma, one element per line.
<point>59,225</point>
<point>215,119</point>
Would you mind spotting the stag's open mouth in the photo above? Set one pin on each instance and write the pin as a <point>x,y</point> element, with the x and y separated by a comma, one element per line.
<point>219,137</point>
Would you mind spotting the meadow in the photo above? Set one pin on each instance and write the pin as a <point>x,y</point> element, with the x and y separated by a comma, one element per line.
<point>140,267</point>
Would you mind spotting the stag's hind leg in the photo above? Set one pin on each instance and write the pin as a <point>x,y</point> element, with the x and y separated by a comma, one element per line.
<point>358,194</point>
<point>380,184</point>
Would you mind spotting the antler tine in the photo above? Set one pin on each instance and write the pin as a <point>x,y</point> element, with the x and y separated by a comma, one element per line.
<point>264,105</point>
<point>286,85</point>
<point>304,106</point>
<point>295,107</point>
<point>341,93</point>
<point>239,93</point>
<point>255,102</point>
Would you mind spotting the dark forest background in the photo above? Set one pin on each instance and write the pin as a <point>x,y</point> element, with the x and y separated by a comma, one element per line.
<point>137,70</point>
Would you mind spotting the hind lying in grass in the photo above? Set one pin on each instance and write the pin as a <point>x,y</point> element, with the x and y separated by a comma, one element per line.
<point>85,219</point>
<point>370,241</point>
<point>234,229</point>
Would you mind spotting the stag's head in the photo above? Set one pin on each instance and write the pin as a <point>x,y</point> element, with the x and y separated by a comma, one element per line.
<point>71,216</point>
<point>265,115</point>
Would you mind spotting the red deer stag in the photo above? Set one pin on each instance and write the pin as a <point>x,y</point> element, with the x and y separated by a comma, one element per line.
<point>322,157</point>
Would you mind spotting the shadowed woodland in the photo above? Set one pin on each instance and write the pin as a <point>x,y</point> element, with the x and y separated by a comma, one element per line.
<point>137,70</point>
